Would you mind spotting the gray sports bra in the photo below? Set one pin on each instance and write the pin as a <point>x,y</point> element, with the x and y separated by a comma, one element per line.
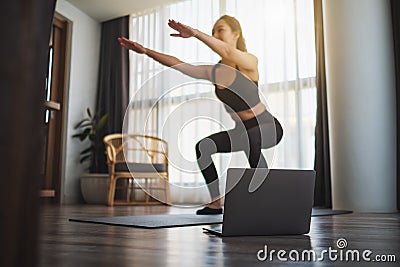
<point>242,94</point>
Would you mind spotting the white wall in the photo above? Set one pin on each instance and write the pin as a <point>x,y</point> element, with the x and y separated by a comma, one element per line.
<point>84,61</point>
<point>361,104</point>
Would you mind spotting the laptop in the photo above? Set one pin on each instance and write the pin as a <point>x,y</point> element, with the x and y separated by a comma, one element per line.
<point>280,205</point>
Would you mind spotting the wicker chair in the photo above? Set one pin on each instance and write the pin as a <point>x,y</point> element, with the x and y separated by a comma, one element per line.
<point>141,161</point>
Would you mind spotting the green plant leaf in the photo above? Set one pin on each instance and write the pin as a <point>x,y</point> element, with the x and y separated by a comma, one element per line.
<point>89,113</point>
<point>76,135</point>
<point>102,122</point>
<point>85,158</point>
<point>88,124</point>
<point>87,150</point>
<point>86,155</point>
<point>79,124</point>
<point>85,134</point>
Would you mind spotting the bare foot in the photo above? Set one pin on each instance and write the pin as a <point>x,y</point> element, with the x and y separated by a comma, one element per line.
<point>216,204</point>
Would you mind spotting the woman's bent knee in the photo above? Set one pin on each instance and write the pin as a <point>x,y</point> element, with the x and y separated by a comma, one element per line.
<point>205,146</point>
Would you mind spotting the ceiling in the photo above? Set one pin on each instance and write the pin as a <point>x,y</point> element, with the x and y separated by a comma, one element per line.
<point>102,10</point>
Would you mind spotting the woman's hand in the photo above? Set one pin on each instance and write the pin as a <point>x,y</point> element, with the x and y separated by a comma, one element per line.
<point>184,30</point>
<point>131,45</point>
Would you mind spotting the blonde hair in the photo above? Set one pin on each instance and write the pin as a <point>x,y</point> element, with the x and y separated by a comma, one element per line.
<point>234,24</point>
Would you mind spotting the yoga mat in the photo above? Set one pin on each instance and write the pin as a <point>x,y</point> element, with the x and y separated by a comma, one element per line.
<point>156,221</point>
<point>328,212</point>
<point>176,220</point>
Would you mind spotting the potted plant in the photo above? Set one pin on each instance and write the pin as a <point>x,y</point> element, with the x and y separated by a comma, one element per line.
<point>94,184</point>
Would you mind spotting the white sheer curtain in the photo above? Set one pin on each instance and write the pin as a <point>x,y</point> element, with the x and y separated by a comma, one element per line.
<point>182,111</point>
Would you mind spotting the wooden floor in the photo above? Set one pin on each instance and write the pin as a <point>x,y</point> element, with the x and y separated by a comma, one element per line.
<point>65,243</point>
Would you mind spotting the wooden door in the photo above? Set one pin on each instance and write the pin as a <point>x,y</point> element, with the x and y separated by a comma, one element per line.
<point>54,114</point>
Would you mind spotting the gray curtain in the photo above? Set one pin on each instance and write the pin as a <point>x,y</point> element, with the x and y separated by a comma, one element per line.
<point>322,193</point>
<point>25,32</point>
<point>113,83</point>
<point>395,4</point>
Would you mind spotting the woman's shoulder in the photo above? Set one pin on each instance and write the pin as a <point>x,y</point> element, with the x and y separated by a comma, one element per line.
<point>248,62</point>
<point>250,71</point>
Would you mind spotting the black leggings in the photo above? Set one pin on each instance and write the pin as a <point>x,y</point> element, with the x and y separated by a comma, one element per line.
<point>250,136</point>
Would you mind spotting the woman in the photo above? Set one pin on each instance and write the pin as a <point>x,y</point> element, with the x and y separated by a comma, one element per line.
<point>235,78</point>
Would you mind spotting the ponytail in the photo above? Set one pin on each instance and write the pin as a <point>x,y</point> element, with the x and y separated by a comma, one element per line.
<point>241,43</point>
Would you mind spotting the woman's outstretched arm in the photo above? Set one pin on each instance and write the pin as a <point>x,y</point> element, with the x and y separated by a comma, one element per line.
<point>198,72</point>
<point>240,58</point>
